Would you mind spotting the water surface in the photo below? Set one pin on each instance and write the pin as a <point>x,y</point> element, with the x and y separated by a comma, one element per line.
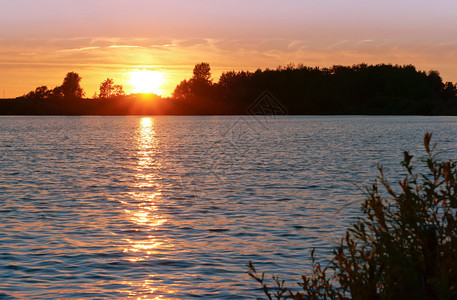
<point>175,207</point>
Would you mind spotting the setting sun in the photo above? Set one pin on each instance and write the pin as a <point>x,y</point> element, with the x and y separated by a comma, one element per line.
<point>144,81</point>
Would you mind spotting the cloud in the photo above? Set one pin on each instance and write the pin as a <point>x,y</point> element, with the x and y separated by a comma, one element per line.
<point>192,42</point>
<point>163,46</point>
<point>78,49</point>
<point>298,44</point>
<point>124,46</point>
<point>337,45</point>
<point>96,57</point>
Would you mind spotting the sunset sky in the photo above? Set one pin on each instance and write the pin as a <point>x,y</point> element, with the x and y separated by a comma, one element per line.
<point>40,41</point>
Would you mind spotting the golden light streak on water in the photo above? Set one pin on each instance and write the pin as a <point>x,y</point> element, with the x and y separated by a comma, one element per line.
<point>143,211</point>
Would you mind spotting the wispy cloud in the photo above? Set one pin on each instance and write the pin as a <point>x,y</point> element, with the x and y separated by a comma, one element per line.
<point>298,44</point>
<point>337,45</point>
<point>163,46</point>
<point>78,49</point>
<point>124,46</point>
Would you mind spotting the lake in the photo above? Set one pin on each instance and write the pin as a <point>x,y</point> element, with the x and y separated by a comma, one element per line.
<point>174,207</point>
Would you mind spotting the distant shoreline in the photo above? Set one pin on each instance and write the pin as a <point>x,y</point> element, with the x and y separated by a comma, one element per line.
<point>93,107</point>
<point>382,89</point>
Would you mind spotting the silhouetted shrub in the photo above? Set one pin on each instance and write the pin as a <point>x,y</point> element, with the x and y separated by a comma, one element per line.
<point>405,246</point>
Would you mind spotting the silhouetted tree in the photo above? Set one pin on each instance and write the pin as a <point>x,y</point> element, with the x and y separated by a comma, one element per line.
<point>57,92</point>
<point>118,90</point>
<point>40,93</point>
<point>71,86</point>
<point>230,79</point>
<point>199,86</point>
<point>108,89</point>
<point>182,90</point>
<point>202,71</point>
<point>449,91</point>
<point>435,80</point>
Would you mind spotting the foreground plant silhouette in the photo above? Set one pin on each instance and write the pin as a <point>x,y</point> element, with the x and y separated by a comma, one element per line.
<point>405,246</point>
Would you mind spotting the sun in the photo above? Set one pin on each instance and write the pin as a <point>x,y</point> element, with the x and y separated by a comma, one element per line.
<point>146,82</point>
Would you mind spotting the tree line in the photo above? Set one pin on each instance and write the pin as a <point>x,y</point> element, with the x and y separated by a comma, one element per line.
<point>358,89</point>
<point>71,89</point>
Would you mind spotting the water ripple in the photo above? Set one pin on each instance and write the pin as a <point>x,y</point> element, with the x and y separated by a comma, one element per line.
<point>174,207</point>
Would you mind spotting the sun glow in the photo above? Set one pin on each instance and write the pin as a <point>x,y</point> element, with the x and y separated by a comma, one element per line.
<point>146,82</point>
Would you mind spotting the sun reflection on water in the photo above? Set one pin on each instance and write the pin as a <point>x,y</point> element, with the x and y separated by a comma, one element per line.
<point>142,210</point>
<point>146,285</point>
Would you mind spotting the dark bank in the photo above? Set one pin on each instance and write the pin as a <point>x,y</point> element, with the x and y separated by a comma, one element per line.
<point>382,89</point>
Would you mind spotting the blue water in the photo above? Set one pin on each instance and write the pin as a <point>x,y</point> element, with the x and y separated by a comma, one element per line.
<point>175,207</point>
